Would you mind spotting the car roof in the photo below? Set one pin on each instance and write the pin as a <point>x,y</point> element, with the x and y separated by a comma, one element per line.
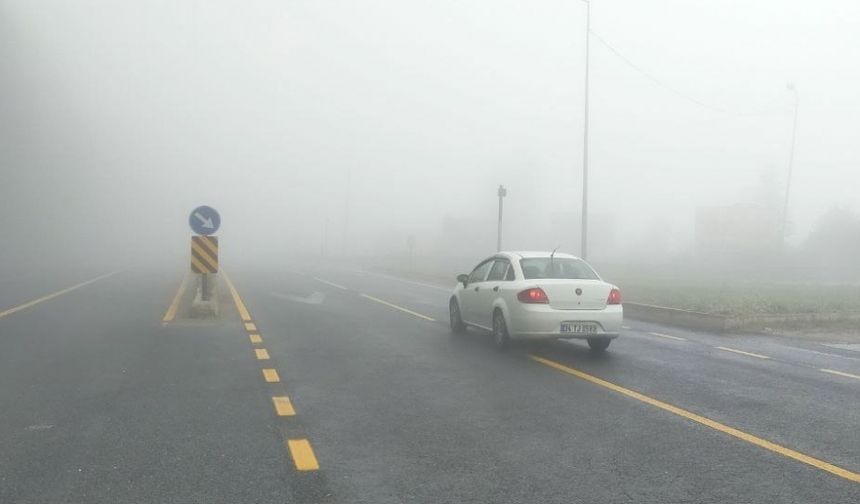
<point>534,253</point>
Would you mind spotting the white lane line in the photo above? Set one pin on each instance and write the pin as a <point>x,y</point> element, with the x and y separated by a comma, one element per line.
<point>826,354</point>
<point>750,354</point>
<point>625,327</point>
<point>421,284</point>
<point>330,283</point>
<point>840,373</point>
<point>42,299</point>
<point>678,338</point>
<point>405,310</point>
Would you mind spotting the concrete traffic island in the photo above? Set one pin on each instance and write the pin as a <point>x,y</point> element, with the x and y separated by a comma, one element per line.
<point>205,303</point>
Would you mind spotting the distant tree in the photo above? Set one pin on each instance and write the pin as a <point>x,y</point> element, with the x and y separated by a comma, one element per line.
<point>835,240</point>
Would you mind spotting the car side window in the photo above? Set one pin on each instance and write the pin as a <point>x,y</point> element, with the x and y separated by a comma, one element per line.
<point>499,270</point>
<point>480,272</point>
<point>510,276</point>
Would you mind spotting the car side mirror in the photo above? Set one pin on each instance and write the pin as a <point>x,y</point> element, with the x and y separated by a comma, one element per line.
<point>463,279</point>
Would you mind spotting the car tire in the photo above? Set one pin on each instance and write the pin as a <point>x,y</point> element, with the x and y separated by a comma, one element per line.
<point>501,337</point>
<point>599,344</point>
<point>456,318</point>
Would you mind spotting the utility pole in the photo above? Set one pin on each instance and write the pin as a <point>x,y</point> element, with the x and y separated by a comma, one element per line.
<point>584,229</point>
<point>784,229</point>
<point>502,193</point>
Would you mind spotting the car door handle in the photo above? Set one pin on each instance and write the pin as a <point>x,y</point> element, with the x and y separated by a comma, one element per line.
<point>477,289</point>
<point>496,289</point>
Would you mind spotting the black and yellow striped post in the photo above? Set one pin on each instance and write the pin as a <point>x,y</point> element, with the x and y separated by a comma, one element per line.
<point>204,260</point>
<point>204,254</point>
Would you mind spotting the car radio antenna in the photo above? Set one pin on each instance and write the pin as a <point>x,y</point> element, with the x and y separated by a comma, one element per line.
<point>552,257</point>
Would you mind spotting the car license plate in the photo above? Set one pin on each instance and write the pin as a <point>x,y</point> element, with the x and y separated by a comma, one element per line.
<point>578,328</point>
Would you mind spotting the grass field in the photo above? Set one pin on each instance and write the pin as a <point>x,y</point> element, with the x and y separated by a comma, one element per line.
<point>690,290</point>
<point>738,298</point>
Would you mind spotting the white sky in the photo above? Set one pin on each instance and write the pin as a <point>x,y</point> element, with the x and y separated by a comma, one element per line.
<point>260,108</point>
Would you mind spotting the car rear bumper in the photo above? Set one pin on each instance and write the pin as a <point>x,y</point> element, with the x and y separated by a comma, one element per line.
<point>543,322</point>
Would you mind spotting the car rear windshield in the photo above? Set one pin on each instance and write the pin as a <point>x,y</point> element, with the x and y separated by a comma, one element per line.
<point>558,267</point>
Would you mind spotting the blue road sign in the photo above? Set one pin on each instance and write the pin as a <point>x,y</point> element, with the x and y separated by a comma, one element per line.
<point>204,220</point>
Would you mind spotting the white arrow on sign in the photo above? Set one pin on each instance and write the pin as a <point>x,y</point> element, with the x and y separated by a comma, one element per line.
<point>207,223</point>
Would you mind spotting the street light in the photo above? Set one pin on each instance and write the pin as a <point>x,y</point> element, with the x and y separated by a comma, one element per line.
<point>584,228</point>
<point>502,193</point>
<point>784,229</point>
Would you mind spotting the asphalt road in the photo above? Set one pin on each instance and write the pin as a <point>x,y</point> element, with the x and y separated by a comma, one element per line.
<point>347,386</point>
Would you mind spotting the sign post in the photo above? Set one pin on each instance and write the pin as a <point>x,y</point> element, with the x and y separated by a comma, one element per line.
<point>204,221</point>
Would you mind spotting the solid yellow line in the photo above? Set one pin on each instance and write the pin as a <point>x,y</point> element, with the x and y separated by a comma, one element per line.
<point>250,326</point>
<point>283,406</point>
<point>750,354</point>
<point>405,310</point>
<point>840,373</point>
<point>668,336</point>
<point>271,376</point>
<point>42,299</point>
<point>255,338</point>
<point>171,310</point>
<point>243,312</point>
<point>303,455</point>
<point>262,354</point>
<point>731,431</point>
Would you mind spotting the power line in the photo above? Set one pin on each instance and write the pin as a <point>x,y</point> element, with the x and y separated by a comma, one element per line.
<point>672,89</point>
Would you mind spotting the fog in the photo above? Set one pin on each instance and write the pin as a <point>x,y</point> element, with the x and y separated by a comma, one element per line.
<point>380,120</point>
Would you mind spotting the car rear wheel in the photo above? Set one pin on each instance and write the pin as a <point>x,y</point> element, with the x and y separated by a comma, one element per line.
<point>501,338</point>
<point>457,325</point>
<point>599,344</point>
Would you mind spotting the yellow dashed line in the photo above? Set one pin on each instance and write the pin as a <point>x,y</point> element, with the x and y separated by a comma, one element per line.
<point>303,455</point>
<point>271,375</point>
<point>283,406</point>
<point>731,431</point>
<point>300,449</point>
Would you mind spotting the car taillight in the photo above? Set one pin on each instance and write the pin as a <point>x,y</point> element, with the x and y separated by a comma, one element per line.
<point>534,295</point>
<point>614,297</point>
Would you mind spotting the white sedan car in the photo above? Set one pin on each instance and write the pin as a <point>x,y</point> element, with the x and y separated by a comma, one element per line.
<point>537,295</point>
